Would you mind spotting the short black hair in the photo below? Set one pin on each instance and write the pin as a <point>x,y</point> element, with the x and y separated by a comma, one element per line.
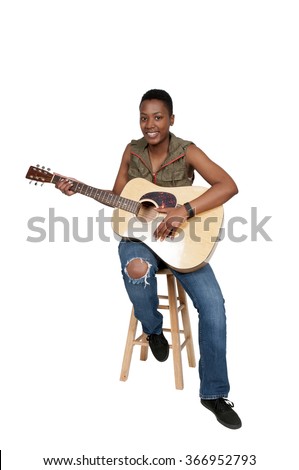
<point>161,95</point>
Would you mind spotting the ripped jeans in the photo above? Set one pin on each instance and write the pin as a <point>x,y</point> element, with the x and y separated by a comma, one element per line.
<point>204,291</point>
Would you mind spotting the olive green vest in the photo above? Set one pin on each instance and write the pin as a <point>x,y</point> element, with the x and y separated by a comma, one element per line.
<point>173,172</point>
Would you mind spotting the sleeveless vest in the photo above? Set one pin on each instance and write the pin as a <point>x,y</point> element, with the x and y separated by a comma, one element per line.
<point>173,171</point>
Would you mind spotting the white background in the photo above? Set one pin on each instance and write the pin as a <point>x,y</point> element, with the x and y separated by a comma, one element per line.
<point>72,75</point>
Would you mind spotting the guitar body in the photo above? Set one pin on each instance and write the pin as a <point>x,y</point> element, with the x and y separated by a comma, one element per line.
<point>135,218</point>
<point>195,240</point>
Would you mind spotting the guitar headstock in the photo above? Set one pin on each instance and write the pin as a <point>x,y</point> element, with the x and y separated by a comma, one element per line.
<point>39,174</point>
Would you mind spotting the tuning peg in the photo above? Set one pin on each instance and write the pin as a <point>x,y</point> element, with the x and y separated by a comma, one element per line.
<point>37,165</point>
<point>48,169</point>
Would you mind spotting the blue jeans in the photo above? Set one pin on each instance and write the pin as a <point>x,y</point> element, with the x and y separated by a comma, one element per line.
<point>204,291</point>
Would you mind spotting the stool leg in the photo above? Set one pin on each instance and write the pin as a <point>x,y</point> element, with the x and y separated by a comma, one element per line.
<point>186,325</point>
<point>129,347</point>
<point>175,333</point>
<point>143,349</point>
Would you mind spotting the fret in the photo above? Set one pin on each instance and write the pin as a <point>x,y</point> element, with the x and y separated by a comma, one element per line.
<point>133,206</point>
<point>88,191</point>
<point>123,203</point>
<point>93,189</point>
<point>55,179</point>
<point>115,199</point>
<point>77,188</point>
<point>99,195</point>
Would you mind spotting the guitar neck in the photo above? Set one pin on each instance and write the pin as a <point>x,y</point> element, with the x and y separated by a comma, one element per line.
<point>105,197</point>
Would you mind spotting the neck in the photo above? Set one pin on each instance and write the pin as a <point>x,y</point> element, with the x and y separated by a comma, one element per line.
<point>105,197</point>
<point>160,149</point>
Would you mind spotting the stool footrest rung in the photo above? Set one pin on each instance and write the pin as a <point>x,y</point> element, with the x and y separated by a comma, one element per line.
<point>166,307</point>
<point>140,342</point>
<point>169,330</point>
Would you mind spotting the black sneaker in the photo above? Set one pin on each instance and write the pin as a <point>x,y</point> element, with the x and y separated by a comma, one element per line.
<point>223,410</point>
<point>159,346</point>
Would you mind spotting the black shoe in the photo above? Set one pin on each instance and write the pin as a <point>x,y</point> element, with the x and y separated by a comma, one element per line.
<point>159,346</point>
<point>223,410</point>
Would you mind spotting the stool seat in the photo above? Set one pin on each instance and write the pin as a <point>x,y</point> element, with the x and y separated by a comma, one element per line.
<point>176,303</point>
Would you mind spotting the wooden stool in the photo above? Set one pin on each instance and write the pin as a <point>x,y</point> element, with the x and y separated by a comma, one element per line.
<point>177,302</point>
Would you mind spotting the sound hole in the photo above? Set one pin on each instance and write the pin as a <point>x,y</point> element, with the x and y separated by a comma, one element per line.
<point>147,211</point>
<point>149,201</point>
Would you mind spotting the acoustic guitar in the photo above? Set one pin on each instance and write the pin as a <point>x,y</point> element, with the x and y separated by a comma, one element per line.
<point>135,217</point>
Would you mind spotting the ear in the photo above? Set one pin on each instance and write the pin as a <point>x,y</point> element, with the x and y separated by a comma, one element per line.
<point>172,119</point>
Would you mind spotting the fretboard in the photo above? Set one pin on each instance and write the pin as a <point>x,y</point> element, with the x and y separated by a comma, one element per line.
<point>103,196</point>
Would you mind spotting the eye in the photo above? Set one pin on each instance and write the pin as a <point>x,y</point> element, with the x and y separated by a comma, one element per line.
<point>158,118</point>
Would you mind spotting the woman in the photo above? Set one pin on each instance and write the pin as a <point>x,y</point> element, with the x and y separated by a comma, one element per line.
<point>166,160</point>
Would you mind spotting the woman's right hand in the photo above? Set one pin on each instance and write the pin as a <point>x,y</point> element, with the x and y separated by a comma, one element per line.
<point>65,184</point>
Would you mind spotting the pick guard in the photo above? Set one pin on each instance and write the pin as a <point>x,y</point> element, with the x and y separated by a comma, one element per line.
<point>160,198</point>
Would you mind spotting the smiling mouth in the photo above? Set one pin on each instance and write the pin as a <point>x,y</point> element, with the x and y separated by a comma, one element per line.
<point>152,134</point>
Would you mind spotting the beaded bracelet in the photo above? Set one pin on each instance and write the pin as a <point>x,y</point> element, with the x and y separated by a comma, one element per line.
<point>190,211</point>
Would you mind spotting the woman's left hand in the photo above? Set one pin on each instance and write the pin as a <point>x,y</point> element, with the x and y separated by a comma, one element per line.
<point>175,217</point>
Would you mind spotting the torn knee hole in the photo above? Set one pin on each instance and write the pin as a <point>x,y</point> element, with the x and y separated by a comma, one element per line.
<point>137,268</point>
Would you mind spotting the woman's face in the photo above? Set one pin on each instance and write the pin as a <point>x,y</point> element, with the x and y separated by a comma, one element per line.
<point>155,121</point>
